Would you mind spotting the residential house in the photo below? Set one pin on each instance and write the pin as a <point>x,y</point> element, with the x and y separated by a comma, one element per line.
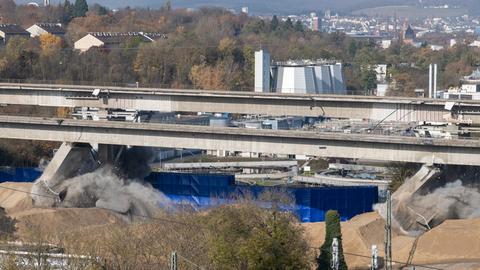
<point>113,40</point>
<point>46,28</point>
<point>7,31</point>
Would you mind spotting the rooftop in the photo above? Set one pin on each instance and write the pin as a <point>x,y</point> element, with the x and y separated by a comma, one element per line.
<point>52,28</point>
<point>475,76</point>
<point>119,37</point>
<point>13,29</point>
<point>306,62</point>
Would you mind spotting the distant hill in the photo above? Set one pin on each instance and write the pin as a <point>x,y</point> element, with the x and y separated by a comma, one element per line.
<point>411,12</point>
<point>282,6</point>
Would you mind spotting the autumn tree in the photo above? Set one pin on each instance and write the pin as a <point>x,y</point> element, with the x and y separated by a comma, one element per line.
<point>49,43</point>
<point>245,236</point>
<point>154,63</point>
<point>99,9</point>
<point>208,77</point>
<point>7,9</point>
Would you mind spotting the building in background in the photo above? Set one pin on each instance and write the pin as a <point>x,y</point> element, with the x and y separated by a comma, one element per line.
<point>470,89</point>
<point>262,71</point>
<point>8,31</point>
<point>113,40</point>
<point>46,28</point>
<point>298,76</point>
<point>308,77</point>
<point>328,14</point>
<point>477,31</point>
<point>385,43</point>
<point>409,35</point>
<point>245,10</point>
<point>314,22</point>
<point>382,84</point>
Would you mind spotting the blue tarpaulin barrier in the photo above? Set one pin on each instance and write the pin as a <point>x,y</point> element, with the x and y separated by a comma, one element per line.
<point>11,174</point>
<point>311,203</point>
<point>207,190</point>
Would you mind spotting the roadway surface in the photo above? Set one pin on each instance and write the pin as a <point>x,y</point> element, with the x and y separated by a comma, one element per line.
<point>184,100</point>
<point>354,146</point>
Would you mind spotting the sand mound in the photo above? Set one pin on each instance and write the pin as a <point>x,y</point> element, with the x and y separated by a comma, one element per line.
<point>61,220</point>
<point>12,200</point>
<point>18,205</point>
<point>359,234</point>
<point>452,241</point>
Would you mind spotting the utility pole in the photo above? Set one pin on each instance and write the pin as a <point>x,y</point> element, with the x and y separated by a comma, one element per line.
<point>374,262</point>
<point>335,262</point>
<point>388,233</point>
<point>174,261</point>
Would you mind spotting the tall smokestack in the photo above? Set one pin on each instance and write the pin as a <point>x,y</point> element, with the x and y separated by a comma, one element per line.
<point>435,70</point>
<point>430,90</point>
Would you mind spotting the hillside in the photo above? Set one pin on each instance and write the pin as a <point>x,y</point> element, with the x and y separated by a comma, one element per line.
<point>411,11</point>
<point>256,7</point>
<point>284,6</point>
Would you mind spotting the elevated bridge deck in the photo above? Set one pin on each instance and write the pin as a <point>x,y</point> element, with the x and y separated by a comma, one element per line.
<point>321,144</point>
<point>183,100</point>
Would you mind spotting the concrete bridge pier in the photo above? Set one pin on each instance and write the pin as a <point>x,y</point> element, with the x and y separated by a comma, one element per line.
<point>109,153</point>
<point>70,160</point>
<point>410,216</point>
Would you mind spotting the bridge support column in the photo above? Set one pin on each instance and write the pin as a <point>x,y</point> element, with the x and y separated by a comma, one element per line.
<point>109,153</point>
<point>70,160</point>
<point>409,216</point>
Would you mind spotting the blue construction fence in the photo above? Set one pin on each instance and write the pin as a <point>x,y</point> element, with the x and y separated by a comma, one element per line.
<point>206,190</point>
<point>311,203</point>
<point>12,174</point>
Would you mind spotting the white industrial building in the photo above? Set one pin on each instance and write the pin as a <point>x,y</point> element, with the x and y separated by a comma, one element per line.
<point>299,77</point>
<point>470,89</point>
<point>262,71</point>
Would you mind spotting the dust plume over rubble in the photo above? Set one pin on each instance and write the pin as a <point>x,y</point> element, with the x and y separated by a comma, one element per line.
<point>119,188</point>
<point>104,189</point>
<point>454,200</point>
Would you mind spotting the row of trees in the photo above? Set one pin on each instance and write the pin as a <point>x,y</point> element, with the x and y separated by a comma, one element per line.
<point>212,48</point>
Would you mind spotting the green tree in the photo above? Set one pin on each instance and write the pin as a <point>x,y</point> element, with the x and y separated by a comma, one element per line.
<point>67,11</point>
<point>333,230</point>
<point>288,24</point>
<point>274,23</point>
<point>80,9</point>
<point>299,26</point>
<point>352,48</point>
<point>369,80</point>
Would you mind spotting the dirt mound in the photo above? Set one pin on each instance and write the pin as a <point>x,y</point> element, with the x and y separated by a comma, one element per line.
<point>453,241</point>
<point>61,220</point>
<point>13,199</point>
<point>359,234</point>
<point>19,205</point>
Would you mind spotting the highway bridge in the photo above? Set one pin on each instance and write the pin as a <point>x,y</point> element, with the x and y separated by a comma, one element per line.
<point>320,144</point>
<point>170,100</point>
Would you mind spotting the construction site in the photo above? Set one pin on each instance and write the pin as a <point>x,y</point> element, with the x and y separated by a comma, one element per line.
<point>406,192</point>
